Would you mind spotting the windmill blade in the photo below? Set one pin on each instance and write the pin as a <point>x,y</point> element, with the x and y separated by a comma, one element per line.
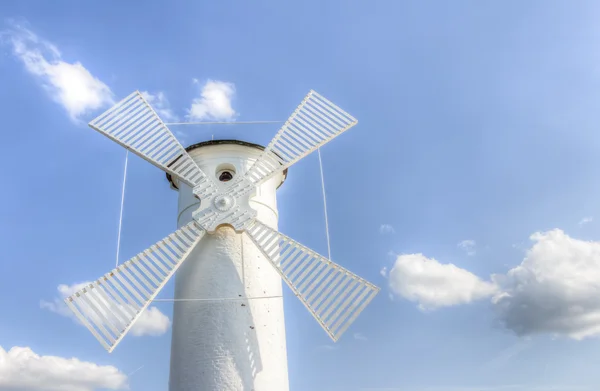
<point>135,125</point>
<point>314,123</point>
<point>110,306</point>
<point>332,294</point>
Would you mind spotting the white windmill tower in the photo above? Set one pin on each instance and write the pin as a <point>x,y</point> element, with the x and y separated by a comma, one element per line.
<point>228,325</point>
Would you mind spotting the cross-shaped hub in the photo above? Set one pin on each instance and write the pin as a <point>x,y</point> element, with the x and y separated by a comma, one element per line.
<point>228,205</point>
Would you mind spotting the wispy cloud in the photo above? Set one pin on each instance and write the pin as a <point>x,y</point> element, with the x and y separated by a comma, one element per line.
<point>161,105</point>
<point>22,369</point>
<point>214,102</point>
<point>586,220</point>
<point>468,245</point>
<point>386,229</point>
<point>151,322</point>
<point>384,271</point>
<point>70,84</point>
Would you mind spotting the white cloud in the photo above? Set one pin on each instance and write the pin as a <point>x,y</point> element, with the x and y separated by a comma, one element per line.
<point>214,102</point>
<point>554,290</point>
<point>22,369</point>
<point>386,229</point>
<point>152,322</point>
<point>433,285</point>
<point>467,245</point>
<point>69,84</point>
<point>161,105</point>
<point>57,305</point>
<point>383,271</point>
<point>586,220</point>
<point>360,337</point>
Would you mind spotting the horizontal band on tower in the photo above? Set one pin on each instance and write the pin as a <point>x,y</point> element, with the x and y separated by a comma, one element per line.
<point>220,299</point>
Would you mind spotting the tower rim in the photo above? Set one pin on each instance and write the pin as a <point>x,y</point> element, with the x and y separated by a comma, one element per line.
<point>222,142</point>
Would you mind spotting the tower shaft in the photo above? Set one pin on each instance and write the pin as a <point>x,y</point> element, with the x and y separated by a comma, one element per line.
<point>228,320</point>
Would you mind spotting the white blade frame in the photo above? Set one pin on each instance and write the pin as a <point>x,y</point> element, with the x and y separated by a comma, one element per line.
<point>333,295</point>
<point>110,306</point>
<point>134,124</point>
<point>315,122</point>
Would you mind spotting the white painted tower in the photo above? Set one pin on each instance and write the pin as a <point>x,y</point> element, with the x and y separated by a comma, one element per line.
<point>233,337</point>
<point>228,257</point>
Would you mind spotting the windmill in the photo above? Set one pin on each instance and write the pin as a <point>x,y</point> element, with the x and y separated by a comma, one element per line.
<point>224,343</point>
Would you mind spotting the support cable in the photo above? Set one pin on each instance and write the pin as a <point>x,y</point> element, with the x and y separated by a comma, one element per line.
<point>121,213</point>
<point>224,123</point>
<point>324,204</point>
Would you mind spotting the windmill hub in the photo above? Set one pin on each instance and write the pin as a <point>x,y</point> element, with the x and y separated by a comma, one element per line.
<point>224,202</point>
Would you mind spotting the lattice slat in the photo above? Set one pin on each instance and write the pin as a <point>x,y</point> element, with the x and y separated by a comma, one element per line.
<point>135,125</point>
<point>315,122</point>
<point>332,294</point>
<point>110,306</point>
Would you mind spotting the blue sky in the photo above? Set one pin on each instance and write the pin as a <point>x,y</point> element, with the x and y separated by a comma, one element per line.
<point>476,150</point>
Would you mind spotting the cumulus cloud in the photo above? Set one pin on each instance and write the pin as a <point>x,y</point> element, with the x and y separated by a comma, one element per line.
<point>554,290</point>
<point>161,105</point>
<point>22,369</point>
<point>468,245</point>
<point>386,229</point>
<point>432,284</point>
<point>586,220</point>
<point>214,102</point>
<point>151,322</point>
<point>69,84</point>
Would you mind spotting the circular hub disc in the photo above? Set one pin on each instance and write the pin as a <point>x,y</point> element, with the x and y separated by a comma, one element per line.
<point>223,202</point>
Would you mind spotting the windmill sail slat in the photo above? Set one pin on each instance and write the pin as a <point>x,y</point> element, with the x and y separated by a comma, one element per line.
<point>110,320</point>
<point>117,312</point>
<point>126,274</point>
<point>95,319</point>
<point>344,305</point>
<point>316,275</point>
<point>157,262</point>
<point>342,282</point>
<point>119,306</point>
<point>146,288</point>
<point>339,296</point>
<point>124,288</point>
<point>309,274</point>
<point>315,122</point>
<point>103,310</point>
<point>350,315</point>
<point>322,296</point>
<point>87,324</point>
<point>146,272</point>
<point>121,123</point>
<point>127,283</point>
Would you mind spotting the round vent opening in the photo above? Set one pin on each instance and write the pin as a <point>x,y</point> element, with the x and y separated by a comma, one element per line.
<point>225,172</point>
